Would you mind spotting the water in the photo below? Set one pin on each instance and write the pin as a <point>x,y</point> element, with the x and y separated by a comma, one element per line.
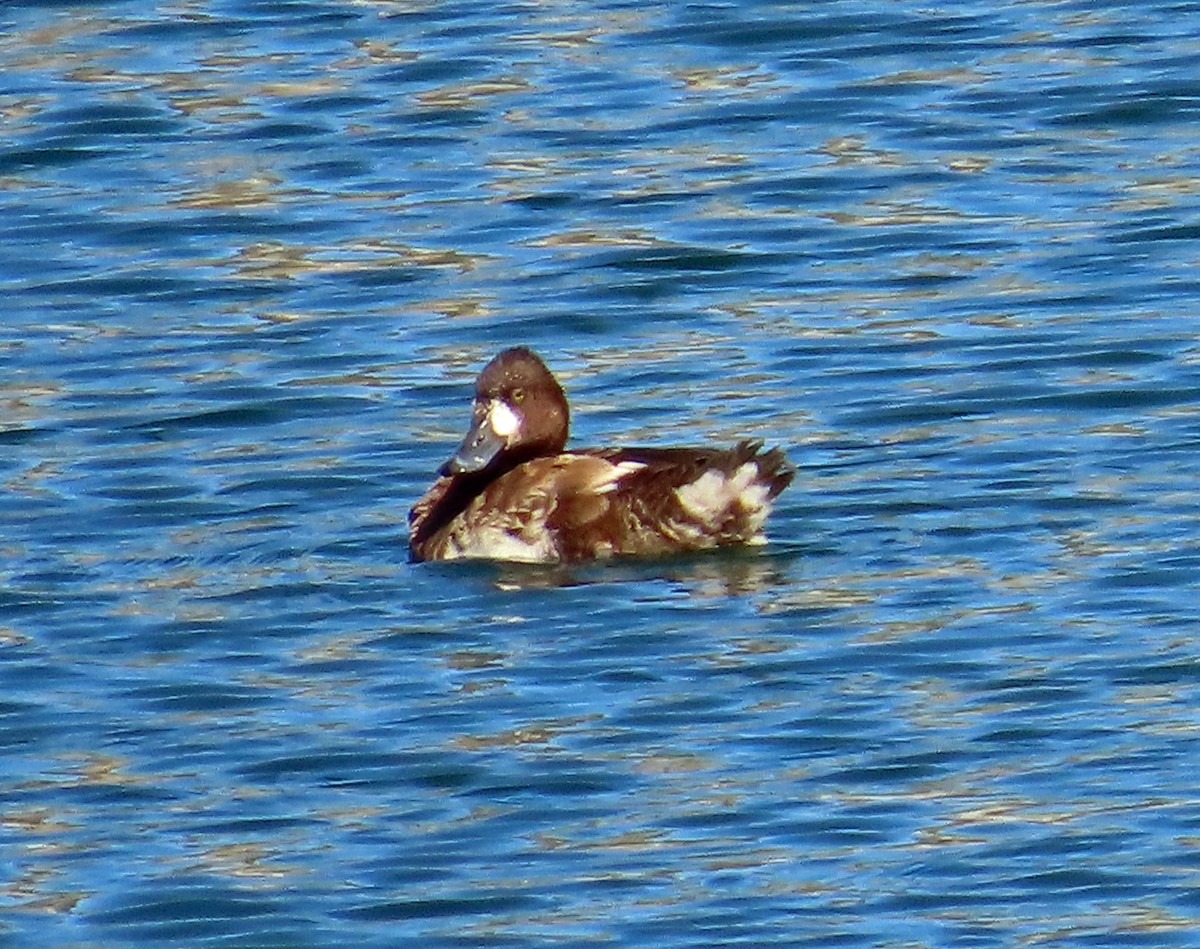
<point>255,253</point>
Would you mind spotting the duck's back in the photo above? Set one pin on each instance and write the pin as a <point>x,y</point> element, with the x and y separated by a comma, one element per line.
<point>608,502</point>
<point>680,499</point>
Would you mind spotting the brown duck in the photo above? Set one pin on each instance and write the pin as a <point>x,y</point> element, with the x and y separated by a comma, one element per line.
<point>511,491</point>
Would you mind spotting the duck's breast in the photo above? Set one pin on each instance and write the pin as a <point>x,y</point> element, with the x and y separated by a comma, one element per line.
<point>537,512</point>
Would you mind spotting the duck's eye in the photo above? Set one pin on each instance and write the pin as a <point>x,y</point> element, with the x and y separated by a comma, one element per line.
<point>518,396</point>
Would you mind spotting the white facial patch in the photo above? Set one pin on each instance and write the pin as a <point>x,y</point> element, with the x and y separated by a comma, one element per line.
<point>503,420</point>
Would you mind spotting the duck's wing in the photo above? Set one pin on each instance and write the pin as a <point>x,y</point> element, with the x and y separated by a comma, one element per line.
<point>675,499</point>
<point>671,468</point>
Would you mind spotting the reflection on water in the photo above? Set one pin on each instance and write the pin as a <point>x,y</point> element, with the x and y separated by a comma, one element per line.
<point>256,254</point>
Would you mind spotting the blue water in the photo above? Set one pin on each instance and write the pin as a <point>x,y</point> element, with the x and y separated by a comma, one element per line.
<point>254,254</point>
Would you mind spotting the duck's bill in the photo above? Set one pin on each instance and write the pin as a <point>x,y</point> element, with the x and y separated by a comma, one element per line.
<point>477,450</point>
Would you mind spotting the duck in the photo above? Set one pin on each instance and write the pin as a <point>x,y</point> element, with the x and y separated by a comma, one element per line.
<point>512,491</point>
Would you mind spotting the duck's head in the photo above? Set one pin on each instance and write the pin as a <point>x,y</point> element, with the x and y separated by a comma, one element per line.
<point>520,412</point>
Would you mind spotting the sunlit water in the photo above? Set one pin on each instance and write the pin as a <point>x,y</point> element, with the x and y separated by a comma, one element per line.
<point>253,255</point>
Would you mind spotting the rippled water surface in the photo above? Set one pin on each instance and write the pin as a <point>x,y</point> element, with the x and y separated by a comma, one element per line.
<point>254,254</point>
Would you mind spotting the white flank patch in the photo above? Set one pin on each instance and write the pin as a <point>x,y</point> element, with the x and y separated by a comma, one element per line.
<point>608,482</point>
<point>495,543</point>
<point>503,420</point>
<point>710,496</point>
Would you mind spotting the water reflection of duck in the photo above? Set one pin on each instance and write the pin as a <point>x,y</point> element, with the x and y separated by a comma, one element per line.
<point>511,492</point>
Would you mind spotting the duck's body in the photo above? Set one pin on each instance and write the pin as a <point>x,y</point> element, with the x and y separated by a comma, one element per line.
<point>511,492</point>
